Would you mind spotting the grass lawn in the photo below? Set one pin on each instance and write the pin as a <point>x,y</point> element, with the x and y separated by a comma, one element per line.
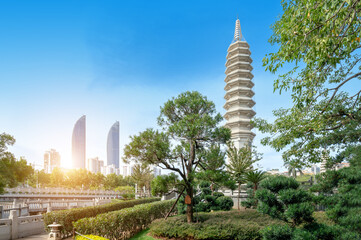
<point>142,236</point>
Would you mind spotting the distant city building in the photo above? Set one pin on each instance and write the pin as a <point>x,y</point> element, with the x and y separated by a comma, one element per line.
<point>127,170</point>
<point>342,165</point>
<point>51,160</point>
<point>109,169</point>
<point>94,165</point>
<point>78,143</point>
<point>239,91</point>
<point>113,145</point>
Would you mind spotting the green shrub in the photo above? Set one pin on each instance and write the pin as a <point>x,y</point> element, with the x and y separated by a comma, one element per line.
<point>124,223</point>
<point>224,203</point>
<point>245,225</point>
<point>277,232</point>
<point>218,194</point>
<point>67,217</point>
<point>93,237</point>
<point>281,198</point>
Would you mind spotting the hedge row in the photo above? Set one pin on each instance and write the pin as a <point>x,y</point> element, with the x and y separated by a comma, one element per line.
<point>67,217</point>
<point>125,223</point>
<point>221,225</point>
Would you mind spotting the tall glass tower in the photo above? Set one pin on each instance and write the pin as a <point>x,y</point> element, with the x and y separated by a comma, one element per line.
<point>239,91</point>
<point>113,145</point>
<point>78,143</point>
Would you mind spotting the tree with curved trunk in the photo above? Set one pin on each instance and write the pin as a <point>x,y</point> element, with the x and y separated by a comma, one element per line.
<point>189,125</point>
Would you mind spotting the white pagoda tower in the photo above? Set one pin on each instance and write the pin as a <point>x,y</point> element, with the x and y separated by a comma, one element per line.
<point>239,92</point>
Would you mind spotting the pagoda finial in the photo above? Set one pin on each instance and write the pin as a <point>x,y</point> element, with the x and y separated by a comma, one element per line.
<point>237,31</point>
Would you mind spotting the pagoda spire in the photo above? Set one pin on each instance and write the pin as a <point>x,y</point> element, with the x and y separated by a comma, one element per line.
<point>239,93</point>
<point>237,31</point>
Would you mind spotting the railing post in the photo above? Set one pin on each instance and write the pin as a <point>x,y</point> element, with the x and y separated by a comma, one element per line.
<point>14,224</point>
<point>1,212</point>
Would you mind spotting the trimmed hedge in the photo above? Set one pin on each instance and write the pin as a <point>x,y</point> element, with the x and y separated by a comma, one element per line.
<point>125,223</point>
<point>230,225</point>
<point>67,217</point>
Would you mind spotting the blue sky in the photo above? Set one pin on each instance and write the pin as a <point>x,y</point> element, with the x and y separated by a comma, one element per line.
<point>120,60</point>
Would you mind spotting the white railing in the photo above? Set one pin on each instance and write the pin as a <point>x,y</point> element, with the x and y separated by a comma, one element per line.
<point>18,227</point>
<point>56,191</point>
<point>38,206</point>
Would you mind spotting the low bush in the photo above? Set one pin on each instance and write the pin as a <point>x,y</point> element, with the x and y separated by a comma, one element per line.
<point>313,231</point>
<point>124,223</point>
<point>67,217</point>
<point>245,225</point>
<point>93,237</point>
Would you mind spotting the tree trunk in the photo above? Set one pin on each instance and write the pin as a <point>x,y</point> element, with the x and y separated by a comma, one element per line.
<point>239,195</point>
<point>190,206</point>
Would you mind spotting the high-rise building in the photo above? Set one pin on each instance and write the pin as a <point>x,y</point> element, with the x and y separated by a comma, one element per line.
<point>239,91</point>
<point>94,165</point>
<point>113,145</point>
<point>78,143</point>
<point>51,160</point>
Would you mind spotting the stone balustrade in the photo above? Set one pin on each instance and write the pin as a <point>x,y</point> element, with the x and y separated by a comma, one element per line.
<point>18,227</point>
<point>56,191</point>
<point>37,206</point>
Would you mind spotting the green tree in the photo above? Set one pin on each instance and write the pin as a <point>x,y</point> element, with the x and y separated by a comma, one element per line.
<point>212,169</point>
<point>57,178</point>
<point>127,192</point>
<point>12,171</point>
<point>165,184</point>
<point>340,192</point>
<point>281,198</point>
<point>142,175</point>
<point>253,178</point>
<point>113,181</point>
<point>240,161</point>
<point>320,41</point>
<point>189,124</point>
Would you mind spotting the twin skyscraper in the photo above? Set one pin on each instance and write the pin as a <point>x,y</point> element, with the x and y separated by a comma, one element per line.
<point>79,144</point>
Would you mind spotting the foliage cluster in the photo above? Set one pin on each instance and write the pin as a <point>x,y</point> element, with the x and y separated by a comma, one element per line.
<point>320,41</point>
<point>127,192</point>
<point>165,184</point>
<point>124,223</point>
<point>12,170</point>
<point>189,126</point>
<point>204,201</point>
<point>282,198</point>
<point>79,179</point>
<point>245,225</point>
<point>340,191</point>
<point>67,217</point>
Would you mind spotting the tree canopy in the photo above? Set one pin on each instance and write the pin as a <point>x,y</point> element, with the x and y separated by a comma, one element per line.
<point>190,125</point>
<point>318,61</point>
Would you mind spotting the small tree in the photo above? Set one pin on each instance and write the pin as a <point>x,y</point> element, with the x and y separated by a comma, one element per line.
<point>240,162</point>
<point>254,178</point>
<point>281,198</point>
<point>190,125</point>
<point>142,175</point>
<point>212,169</point>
